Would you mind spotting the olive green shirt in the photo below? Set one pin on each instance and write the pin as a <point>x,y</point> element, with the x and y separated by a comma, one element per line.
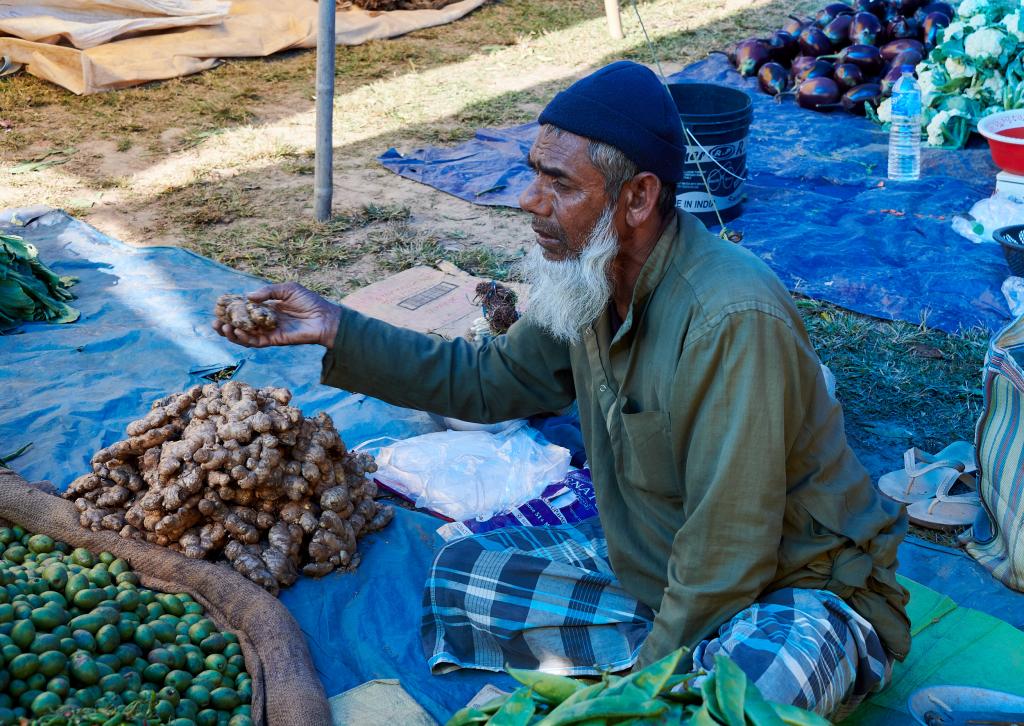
<point>718,457</point>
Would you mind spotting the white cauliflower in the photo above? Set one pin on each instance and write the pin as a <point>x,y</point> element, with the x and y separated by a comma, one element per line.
<point>995,84</point>
<point>937,125</point>
<point>970,7</point>
<point>984,44</point>
<point>926,82</point>
<point>885,111</point>
<point>1014,25</point>
<point>978,21</point>
<point>957,68</point>
<point>953,31</point>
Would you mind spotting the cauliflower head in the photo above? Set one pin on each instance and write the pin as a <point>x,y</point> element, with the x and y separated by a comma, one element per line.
<point>984,45</point>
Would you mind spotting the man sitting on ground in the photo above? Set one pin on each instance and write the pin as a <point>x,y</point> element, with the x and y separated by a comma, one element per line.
<point>735,517</point>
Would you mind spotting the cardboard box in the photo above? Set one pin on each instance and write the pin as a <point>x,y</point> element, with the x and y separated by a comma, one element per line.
<point>428,299</point>
<point>1010,184</point>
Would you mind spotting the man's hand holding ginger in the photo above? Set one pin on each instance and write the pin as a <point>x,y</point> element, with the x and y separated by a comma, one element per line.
<point>302,318</point>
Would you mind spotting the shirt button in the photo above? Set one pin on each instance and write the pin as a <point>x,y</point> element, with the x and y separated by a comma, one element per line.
<point>602,388</point>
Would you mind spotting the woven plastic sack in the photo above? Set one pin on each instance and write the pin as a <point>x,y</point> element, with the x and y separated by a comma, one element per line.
<point>285,686</point>
<point>997,538</point>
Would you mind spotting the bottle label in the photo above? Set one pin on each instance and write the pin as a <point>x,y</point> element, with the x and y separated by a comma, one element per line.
<point>906,104</point>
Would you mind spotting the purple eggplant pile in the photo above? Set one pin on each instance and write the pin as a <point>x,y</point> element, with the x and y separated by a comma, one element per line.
<point>847,55</point>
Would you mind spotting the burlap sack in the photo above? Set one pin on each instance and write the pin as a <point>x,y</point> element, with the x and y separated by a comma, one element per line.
<point>285,687</point>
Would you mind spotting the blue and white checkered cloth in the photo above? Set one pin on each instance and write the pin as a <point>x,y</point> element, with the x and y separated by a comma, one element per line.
<point>546,598</point>
<point>807,648</point>
<point>531,597</point>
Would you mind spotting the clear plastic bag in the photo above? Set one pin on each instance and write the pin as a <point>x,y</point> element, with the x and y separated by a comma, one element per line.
<point>1013,291</point>
<point>471,474</point>
<point>986,216</point>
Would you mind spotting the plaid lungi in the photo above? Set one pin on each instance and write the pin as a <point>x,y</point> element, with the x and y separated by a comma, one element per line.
<point>546,598</point>
<point>807,648</point>
<point>531,597</point>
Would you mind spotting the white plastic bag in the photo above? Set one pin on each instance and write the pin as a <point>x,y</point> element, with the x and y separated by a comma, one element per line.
<point>471,474</point>
<point>988,215</point>
<point>1013,291</point>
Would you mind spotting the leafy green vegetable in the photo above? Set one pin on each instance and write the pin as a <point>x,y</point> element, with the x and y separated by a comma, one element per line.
<point>29,290</point>
<point>653,696</point>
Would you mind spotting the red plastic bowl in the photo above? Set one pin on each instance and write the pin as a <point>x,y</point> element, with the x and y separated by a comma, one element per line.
<point>1005,134</point>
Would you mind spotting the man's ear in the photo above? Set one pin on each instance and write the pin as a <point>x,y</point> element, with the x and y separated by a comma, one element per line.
<point>640,196</point>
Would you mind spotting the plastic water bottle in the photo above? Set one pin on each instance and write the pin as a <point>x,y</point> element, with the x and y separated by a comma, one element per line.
<point>905,129</point>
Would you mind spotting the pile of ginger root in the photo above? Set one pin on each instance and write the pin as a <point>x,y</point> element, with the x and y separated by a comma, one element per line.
<point>235,470</point>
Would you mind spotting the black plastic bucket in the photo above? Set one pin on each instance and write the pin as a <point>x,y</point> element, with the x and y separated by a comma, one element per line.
<point>716,120</point>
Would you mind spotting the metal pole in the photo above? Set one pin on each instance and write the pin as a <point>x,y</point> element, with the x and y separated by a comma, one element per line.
<point>611,11</point>
<point>323,178</point>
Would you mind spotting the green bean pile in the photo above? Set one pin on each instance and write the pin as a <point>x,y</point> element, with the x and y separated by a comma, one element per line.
<point>82,643</point>
<point>654,695</point>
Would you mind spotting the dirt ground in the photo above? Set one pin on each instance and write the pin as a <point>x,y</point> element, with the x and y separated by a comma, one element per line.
<point>221,163</point>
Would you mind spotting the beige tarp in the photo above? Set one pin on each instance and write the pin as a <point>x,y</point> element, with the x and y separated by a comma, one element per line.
<point>110,44</point>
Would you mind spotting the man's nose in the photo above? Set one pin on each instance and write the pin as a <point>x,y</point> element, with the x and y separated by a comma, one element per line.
<point>530,198</point>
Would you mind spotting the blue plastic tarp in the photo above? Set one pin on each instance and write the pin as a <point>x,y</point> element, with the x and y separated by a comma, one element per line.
<point>145,331</point>
<point>819,209</point>
<point>146,312</point>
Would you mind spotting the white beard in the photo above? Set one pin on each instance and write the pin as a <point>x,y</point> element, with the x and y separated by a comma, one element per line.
<point>568,295</point>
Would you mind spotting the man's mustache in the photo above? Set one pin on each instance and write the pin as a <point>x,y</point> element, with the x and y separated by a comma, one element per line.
<point>546,229</point>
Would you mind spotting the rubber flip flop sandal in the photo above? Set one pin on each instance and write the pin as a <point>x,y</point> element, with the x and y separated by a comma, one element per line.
<point>959,455</point>
<point>919,478</point>
<point>959,452</point>
<point>947,510</point>
<point>924,473</point>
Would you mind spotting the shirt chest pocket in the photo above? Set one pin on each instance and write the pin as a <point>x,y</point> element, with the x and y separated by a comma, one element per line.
<point>647,454</point>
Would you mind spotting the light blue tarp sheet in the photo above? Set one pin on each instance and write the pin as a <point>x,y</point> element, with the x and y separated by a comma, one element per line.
<point>146,312</point>
<point>819,210</point>
<point>144,331</point>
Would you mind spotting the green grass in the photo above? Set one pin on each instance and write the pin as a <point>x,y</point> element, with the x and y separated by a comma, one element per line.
<point>900,384</point>
<point>374,240</point>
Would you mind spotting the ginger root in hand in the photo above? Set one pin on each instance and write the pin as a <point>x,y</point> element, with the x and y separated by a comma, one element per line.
<point>238,312</point>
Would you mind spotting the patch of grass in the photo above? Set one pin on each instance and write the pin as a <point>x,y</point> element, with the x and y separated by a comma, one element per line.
<point>198,136</point>
<point>124,144</point>
<point>899,382</point>
<point>485,262</point>
<point>296,166</point>
<point>370,213</point>
<point>297,162</point>
<point>207,203</point>
<point>113,182</point>
<point>297,249</point>
<point>382,236</point>
<point>499,111</point>
<point>396,245</point>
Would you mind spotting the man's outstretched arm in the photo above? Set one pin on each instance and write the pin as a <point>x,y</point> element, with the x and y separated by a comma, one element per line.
<point>519,374</point>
